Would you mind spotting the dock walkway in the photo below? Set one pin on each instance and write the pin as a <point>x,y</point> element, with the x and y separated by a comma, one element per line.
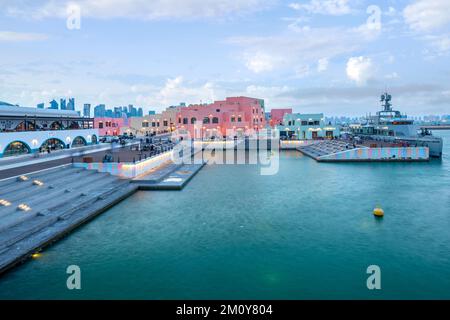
<point>172,177</point>
<point>49,204</point>
<point>342,151</point>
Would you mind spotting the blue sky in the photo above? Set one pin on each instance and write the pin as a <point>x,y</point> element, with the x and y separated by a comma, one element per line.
<point>331,56</point>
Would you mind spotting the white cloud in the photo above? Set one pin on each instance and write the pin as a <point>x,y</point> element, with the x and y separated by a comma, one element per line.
<point>326,7</point>
<point>259,62</point>
<point>136,9</point>
<point>360,69</point>
<point>292,51</point>
<point>439,43</point>
<point>176,90</point>
<point>426,15</point>
<point>322,64</point>
<point>10,36</point>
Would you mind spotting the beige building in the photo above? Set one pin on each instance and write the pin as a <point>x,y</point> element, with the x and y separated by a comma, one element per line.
<point>159,123</point>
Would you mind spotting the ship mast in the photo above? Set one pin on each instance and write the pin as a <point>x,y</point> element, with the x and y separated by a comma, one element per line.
<point>386,102</point>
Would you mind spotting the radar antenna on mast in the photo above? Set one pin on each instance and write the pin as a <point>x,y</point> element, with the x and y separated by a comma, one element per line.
<point>385,101</point>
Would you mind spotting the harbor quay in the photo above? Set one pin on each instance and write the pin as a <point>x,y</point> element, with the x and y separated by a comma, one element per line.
<point>84,166</point>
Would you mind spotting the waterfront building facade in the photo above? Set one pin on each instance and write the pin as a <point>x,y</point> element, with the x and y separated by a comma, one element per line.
<point>243,115</point>
<point>29,130</point>
<point>277,115</point>
<point>298,126</point>
<point>163,122</point>
<point>108,126</point>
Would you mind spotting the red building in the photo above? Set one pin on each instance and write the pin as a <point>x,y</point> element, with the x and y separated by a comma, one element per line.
<point>109,126</point>
<point>276,116</point>
<point>243,115</point>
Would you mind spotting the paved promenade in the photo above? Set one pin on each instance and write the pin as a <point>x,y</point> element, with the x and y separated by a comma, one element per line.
<point>10,167</point>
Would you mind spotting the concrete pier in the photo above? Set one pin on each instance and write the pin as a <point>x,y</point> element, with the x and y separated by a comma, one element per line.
<point>341,151</point>
<point>39,208</point>
<point>173,178</point>
<point>33,215</point>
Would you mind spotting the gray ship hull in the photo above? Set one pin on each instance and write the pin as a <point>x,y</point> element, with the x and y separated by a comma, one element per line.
<point>434,144</point>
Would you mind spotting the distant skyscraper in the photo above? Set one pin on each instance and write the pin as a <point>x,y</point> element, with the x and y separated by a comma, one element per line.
<point>140,112</point>
<point>40,105</point>
<point>132,111</point>
<point>151,112</point>
<point>62,104</point>
<point>100,111</point>
<point>53,104</point>
<point>71,104</point>
<point>87,110</point>
<point>117,112</point>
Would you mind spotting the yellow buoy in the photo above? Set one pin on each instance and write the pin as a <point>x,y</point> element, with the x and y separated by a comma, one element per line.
<point>378,212</point>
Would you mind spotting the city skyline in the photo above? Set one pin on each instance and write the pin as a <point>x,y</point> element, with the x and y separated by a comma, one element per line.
<point>312,56</point>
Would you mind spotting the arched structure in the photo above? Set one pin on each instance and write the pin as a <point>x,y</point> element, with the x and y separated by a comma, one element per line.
<point>16,148</point>
<point>79,142</point>
<point>53,144</point>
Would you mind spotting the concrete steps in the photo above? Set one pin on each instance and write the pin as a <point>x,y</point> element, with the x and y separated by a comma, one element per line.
<point>13,185</point>
<point>19,195</point>
<point>20,241</point>
<point>62,211</point>
<point>12,215</point>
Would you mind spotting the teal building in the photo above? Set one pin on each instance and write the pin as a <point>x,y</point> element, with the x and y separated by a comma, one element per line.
<point>298,126</point>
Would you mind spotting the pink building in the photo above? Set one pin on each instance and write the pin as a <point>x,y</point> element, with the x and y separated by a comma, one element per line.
<point>243,114</point>
<point>276,116</point>
<point>109,126</point>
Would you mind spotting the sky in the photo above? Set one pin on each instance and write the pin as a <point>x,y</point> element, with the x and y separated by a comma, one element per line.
<point>330,56</point>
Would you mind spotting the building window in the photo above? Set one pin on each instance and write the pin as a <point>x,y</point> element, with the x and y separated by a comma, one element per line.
<point>165,123</point>
<point>56,126</point>
<point>233,119</point>
<point>217,110</point>
<point>316,122</point>
<point>53,144</point>
<point>206,120</point>
<point>16,148</point>
<point>193,120</point>
<point>185,120</point>
<point>153,124</point>
<point>304,123</point>
<point>215,120</point>
<point>100,125</point>
<point>239,119</point>
<point>78,142</point>
<point>179,120</point>
<point>145,124</point>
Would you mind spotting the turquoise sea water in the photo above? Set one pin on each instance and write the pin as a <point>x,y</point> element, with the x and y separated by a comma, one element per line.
<point>305,233</point>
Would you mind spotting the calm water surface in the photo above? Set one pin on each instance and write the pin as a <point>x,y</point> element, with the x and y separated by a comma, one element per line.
<point>307,232</point>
